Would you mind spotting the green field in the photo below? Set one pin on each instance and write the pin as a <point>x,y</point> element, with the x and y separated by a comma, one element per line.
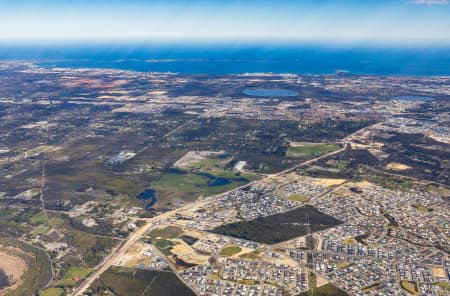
<point>163,245</point>
<point>305,150</point>
<point>52,292</point>
<point>230,251</point>
<point>39,218</point>
<point>409,286</point>
<point>298,197</point>
<point>184,184</point>
<point>252,255</point>
<point>167,232</point>
<point>131,282</point>
<point>73,276</point>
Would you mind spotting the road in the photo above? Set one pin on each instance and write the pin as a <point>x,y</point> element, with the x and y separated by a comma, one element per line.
<point>120,250</point>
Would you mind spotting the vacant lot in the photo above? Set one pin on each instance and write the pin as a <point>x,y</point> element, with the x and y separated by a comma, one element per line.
<point>279,227</point>
<point>204,160</point>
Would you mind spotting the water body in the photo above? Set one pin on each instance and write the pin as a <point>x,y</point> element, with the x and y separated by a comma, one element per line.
<point>176,171</point>
<point>237,58</point>
<point>266,92</point>
<point>220,182</point>
<point>413,98</point>
<point>148,195</point>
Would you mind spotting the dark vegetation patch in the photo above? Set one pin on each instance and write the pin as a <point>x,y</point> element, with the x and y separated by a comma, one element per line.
<point>189,239</point>
<point>131,282</point>
<point>262,143</point>
<point>392,182</point>
<point>326,290</point>
<point>168,232</point>
<point>279,227</point>
<point>427,158</point>
<point>342,165</point>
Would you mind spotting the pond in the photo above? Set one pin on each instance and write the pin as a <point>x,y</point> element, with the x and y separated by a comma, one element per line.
<point>148,195</point>
<point>270,92</point>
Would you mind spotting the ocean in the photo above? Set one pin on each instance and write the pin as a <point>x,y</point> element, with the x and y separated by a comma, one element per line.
<point>237,59</point>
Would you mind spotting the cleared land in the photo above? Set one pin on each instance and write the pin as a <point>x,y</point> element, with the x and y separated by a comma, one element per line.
<point>306,149</point>
<point>279,227</point>
<point>395,166</point>
<point>13,268</point>
<point>204,160</point>
<point>31,263</point>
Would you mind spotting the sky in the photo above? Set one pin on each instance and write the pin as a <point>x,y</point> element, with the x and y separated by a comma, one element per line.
<point>397,21</point>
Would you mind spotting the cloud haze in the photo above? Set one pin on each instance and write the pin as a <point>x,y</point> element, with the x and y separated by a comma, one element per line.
<point>335,20</point>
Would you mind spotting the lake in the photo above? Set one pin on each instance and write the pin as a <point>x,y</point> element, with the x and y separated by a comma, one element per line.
<point>413,98</point>
<point>148,195</point>
<point>270,92</point>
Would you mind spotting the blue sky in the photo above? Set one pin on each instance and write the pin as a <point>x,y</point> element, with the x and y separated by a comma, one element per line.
<point>398,21</point>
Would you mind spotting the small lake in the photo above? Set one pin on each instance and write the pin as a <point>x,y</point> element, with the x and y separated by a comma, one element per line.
<point>270,92</point>
<point>148,195</point>
<point>413,98</point>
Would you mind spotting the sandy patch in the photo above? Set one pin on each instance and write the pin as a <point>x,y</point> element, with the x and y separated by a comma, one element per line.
<point>193,158</point>
<point>188,254</point>
<point>14,267</point>
<point>89,222</point>
<point>397,166</point>
<point>320,281</point>
<point>438,272</point>
<point>328,182</point>
<point>282,259</point>
<point>133,256</point>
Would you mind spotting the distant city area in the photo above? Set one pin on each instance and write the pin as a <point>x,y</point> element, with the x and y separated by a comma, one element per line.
<point>116,182</point>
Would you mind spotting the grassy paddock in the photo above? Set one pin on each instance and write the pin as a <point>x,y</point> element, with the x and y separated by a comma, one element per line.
<point>230,251</point>
<point>310,149</point>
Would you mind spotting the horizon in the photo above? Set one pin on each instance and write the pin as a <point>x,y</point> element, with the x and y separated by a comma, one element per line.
<point>423,22</point>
